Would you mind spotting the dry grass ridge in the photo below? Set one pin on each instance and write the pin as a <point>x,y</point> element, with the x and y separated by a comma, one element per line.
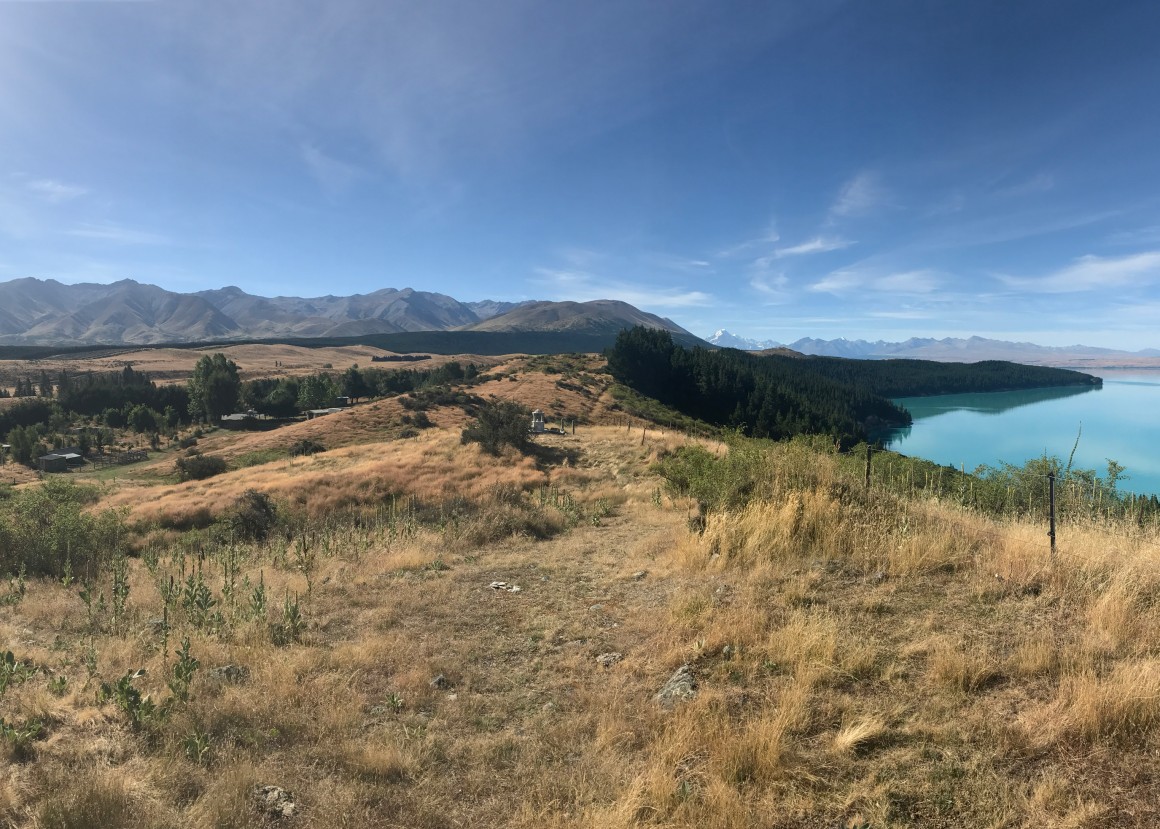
<point>861,658</point>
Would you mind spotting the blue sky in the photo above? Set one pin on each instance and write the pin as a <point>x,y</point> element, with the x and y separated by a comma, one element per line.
<point>781,169</point>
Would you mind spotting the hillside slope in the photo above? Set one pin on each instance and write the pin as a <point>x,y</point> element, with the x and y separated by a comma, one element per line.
<point>433,637</point>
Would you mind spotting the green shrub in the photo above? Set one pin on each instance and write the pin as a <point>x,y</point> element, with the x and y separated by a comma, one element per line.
<point>306,447</point>
<point>46,530</point>
<point>198,467</point>
<point>500,423</point>
<point>253,516</point>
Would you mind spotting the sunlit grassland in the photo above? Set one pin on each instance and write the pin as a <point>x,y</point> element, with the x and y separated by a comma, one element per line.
<point>865,656</point>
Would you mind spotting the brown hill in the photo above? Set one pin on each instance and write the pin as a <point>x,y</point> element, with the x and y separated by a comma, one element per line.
<point>596,316</point>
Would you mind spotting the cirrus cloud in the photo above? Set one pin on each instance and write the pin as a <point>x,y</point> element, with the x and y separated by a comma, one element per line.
<point>1093,273</point>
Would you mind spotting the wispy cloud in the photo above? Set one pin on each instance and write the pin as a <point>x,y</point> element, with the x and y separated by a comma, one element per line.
<point>1093,273</point>
<point>774,289</point>
<point>859,196</point>
<point>819,244</point>
<point>901,314</point>
<point>838,282</point>
<point>55,192</point>
<point>768,237</point>
<point>1137,236</point>
<point>582,286</point>
<point>1040,183</point>
<point>915,282</point>
<point>333,175</point>
<point>117,234</point>
<point>908,282</point>
<point>683,264</point>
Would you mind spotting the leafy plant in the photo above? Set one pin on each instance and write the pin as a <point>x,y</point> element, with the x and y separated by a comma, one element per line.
<point>16,589</point>
<point>182,672</point>
<point>292,624</point>
<point>197,600</point>
<point>120,591</point>
<point>198,747</point>
<point>19,737</point>
<point>395,702</point>
<point>139,707</point>
<point>258,599</point>
<point>13,671</point>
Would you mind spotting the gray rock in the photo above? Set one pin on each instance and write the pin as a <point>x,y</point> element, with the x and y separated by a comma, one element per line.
<point>275,801</point>
<point>440,682</point>
<point>230,673</point>
<point>682,685</point>
<point>607,660</point>
<point>640,574</point>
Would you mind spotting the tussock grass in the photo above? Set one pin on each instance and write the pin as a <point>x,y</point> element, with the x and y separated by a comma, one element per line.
<point>861,658</point>
<point>858,736</point>
<point>1122,707</point>
<point>961,669</point>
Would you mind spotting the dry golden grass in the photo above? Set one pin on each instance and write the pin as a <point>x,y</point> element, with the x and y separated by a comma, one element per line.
<point>433,468</point>
<point>861,660</point>
<point>175,365</point>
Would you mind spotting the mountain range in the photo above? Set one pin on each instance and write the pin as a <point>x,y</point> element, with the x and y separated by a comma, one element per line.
<point>947,349</point>
<point>47,312</point>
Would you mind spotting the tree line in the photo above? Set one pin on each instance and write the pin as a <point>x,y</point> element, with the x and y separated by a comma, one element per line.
<point>778,396</point>
<point>764,398</point>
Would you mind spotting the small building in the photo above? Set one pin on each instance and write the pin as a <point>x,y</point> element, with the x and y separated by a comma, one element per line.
<point>537,422</point>
<point>313,413</point>
<point>60,460</point>
<point>52,462</point>
<point>240,417</point>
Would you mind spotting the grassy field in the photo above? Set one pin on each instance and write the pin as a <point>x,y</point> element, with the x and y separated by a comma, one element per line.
<point>861,658</point>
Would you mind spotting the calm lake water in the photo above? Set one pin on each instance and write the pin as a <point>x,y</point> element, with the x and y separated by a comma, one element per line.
<point>1121,421</point>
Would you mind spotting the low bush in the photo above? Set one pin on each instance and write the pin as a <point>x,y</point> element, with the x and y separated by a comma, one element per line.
<point>253,516</point>
<point>500,423</point>
<point>198,467</point>
<point>47,531</point>
<point>306,447</point>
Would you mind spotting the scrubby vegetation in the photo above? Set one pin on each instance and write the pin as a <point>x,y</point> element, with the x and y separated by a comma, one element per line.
<point>47,531</point>
<point>198,467</point>
<point>419,633</point>
<point>498,424</point>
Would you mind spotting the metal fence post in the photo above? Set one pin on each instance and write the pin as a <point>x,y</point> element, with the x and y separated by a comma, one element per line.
<point>1051,507</point>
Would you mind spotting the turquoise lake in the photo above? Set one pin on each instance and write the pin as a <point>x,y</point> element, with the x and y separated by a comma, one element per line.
<point>1120,421</point>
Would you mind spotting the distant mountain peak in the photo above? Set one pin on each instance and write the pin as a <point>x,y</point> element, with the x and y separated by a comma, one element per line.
<point>46,312</point>
<point>724,339</point>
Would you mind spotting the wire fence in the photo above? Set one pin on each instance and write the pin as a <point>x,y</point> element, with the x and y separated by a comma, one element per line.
<point>1043,491</point>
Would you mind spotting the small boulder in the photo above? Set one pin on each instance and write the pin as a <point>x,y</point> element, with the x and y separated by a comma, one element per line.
<point>607,660</point>
<point>275,801</point>
<point>230,673</point>
<point>682,685</point>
